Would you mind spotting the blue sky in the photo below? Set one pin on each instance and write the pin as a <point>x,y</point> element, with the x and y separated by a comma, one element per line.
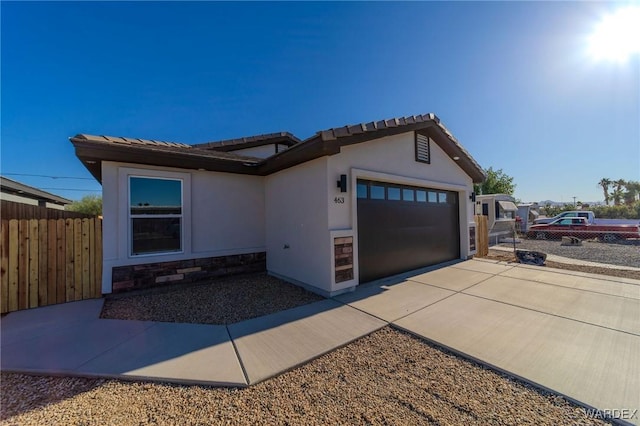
<point>512,80</point>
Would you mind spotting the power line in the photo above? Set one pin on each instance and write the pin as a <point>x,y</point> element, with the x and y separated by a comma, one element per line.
<point>48,176</point>
<point>73,189</point>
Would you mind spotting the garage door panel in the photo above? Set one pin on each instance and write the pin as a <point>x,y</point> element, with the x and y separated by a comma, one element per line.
<point>396,236</point>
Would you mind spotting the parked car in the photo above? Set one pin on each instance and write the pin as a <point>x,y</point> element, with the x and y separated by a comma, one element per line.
<point>580,227</point>
<point>589,215</point>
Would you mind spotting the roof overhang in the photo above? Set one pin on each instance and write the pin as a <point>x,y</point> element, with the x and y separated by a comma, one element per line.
<point>10,186</point>
<point>93,153</point>
<point>219,156</point>
<point>330,142</point>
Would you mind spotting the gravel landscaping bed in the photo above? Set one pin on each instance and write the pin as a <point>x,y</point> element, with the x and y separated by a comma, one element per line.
<point>624,253</point>
<point>223,301</point>
<point>388,377</point>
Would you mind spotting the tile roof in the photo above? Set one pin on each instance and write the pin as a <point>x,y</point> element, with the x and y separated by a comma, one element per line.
<point>176,147</point>
<point>220,156</point>
<point>336,133</point>
<point>284,138</point>
<point>373,126</point>
<point>132,141</point>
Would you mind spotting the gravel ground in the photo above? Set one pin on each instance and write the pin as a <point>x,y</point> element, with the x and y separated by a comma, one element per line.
<point>624,253</point>
<point>621,253</point>
<point>388,377</point>
<point>223,301</point>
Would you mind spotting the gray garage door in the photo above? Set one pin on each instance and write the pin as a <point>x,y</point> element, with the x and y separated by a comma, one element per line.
<point>401,228</point>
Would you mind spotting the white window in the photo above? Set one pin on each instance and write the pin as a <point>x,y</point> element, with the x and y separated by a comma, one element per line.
<point>155,215</point>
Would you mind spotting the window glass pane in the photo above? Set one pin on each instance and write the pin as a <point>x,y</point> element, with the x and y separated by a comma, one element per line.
<point>377,192</point>
<point>433,197</point>
<point>362,190</point>
<point>394,193</point>
<point>442,197</point>
<point>421,196</point>
<point>155,235</point>
<point>408,195</point>
<point>155,196</point>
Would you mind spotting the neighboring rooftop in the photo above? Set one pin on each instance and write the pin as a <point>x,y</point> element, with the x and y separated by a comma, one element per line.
<point>10,186</point>
<point>220,155</point>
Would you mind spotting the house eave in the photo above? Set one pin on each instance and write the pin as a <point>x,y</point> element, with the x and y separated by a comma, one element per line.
<point>219,156</point>
<point>10,186</point>
<point>324,144</point>
<point>92,155</point>
<point>230,145</point>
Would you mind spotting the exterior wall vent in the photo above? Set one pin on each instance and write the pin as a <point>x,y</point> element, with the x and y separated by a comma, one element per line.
<point>423,152</point>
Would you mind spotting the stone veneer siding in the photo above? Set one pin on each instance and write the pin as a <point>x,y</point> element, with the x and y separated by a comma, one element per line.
<point>135,277</point>
<point>343,258</point>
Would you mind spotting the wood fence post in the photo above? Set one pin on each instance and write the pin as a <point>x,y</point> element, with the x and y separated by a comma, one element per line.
<point>4,266</point>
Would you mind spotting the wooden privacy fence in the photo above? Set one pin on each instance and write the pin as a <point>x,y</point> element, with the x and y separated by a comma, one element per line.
<point>482,238</point>
<point>15,210</point>
<point>48,261</point>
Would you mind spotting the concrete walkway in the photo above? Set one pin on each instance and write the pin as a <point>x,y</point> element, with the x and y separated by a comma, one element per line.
<point>574,333</point>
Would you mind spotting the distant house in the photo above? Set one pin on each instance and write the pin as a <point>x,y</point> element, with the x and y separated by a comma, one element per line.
<point>346,206</point>
<point>527,212</point>
<point>501,211</point>
<point>11,190</point>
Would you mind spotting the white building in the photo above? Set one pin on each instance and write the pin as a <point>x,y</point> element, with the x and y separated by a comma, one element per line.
<point>343,207</point>
<point>501,212</point>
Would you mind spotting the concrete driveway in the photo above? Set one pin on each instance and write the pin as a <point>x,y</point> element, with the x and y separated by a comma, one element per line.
<point>574,333</point>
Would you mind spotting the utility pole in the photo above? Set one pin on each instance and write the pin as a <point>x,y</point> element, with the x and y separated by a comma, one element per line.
<point>574,203</point>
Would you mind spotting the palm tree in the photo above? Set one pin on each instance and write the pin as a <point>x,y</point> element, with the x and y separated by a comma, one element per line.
<point>618,193</point>
<point>605,183</point>
<point>632,189</point>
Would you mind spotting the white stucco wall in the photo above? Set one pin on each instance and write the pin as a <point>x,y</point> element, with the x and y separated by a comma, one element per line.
<point>292,214</point>
<point>305,208</point>
<point>392,159</point>
<point>296,218</point>
<point>228,213</point>
<point>223,214</point>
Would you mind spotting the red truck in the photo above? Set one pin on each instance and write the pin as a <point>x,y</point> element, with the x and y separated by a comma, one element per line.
<point>581,228</point>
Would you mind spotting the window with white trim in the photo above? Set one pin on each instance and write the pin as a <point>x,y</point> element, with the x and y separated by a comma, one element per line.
<point>155,215</point>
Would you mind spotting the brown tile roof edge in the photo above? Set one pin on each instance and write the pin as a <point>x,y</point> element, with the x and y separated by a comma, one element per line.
<point>132,143</point>
<point>357,133</point>
<point>350,130</point>
<point>283,138</point>
<point>323,143</point>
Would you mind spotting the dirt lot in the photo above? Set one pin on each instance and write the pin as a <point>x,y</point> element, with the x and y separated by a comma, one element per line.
<point>624,253</point>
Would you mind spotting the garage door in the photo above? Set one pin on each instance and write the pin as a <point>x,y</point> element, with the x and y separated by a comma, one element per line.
<point>401,228</point>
